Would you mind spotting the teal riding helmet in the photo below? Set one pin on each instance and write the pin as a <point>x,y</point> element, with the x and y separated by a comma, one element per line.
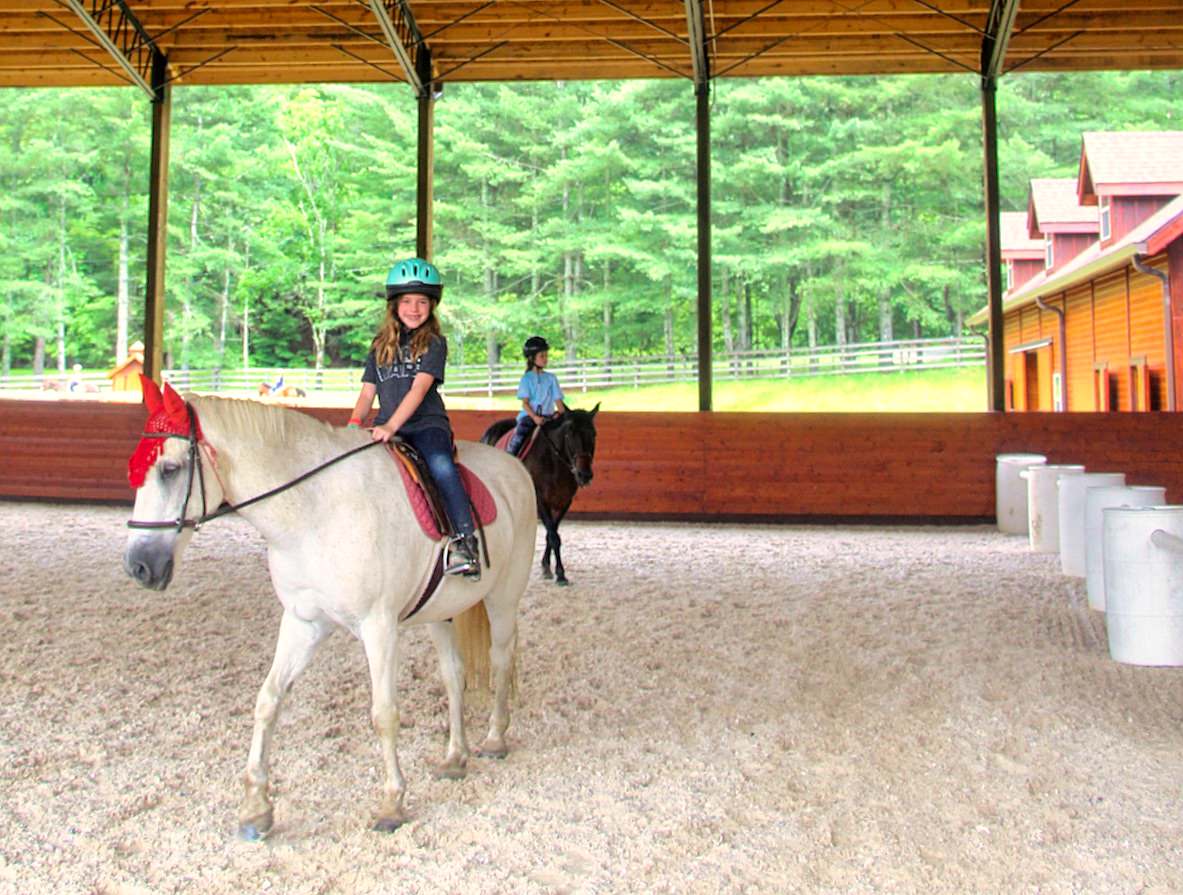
<point>414,275</point>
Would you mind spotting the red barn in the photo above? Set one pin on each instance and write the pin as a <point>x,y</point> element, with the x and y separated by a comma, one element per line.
<point>1022,254</point>
<point>1100,327</point>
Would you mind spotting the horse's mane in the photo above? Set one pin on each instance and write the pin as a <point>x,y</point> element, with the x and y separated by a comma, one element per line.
<point>266,423</point>
<point>574,415</point>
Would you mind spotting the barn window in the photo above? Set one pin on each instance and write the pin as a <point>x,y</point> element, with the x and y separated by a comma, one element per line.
<point>1157,389</point>
<point>1103,203</point>
<point>1049,257</point>
<point>1139,385</point>
<point>1103,388</point>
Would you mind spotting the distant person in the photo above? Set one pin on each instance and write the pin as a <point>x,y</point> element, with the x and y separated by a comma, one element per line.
<point>539,392</point>
<point>404,369</point>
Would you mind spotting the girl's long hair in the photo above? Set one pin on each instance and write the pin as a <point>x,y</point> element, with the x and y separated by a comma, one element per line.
<point>385,344</point>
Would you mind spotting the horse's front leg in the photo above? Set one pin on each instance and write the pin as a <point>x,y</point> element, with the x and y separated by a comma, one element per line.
<point>548,525</point>
<point>455,764</point>
<point>379,635</point>
<point>560,572</point>
<point>294,648</point>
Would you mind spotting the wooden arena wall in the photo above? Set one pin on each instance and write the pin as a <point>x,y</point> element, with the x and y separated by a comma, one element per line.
<point>754,466</point>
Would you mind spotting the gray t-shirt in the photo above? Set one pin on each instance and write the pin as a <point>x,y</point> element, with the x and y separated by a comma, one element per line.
<point>393,383</point>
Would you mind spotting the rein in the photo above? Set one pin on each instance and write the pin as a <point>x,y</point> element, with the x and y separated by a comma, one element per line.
<point>181,523</point>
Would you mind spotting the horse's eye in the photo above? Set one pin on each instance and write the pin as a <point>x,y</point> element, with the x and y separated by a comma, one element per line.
<point>169,468</point>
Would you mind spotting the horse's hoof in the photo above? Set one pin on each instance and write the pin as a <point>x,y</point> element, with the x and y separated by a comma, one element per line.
<point>494,750</point>
<point>451,770</point>
<point>256,829</point>
<point>387,824</point>
<point>562,582</point>
<point>546,573</point>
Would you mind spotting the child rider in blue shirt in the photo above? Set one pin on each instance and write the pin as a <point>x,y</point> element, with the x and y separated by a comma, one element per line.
<point>539,391</point>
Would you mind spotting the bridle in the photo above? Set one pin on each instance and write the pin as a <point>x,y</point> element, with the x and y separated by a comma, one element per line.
<point>181,523</point>
<point>569,458</point>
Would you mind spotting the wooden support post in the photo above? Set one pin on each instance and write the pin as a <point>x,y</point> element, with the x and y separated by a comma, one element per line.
<point>157,220</point>
<point>425,184</point>
<point>996,359</point>
<point>702,94</point>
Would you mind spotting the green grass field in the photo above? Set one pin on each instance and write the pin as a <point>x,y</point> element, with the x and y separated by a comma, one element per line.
<point>926,391</point>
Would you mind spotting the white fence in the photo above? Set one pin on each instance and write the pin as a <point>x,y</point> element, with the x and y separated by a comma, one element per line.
<point>576,375</point>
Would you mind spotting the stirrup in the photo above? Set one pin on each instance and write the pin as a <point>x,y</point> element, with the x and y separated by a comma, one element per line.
<point>461,557</point>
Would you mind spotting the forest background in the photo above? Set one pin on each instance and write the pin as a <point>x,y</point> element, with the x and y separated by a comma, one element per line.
<point>844,209</point>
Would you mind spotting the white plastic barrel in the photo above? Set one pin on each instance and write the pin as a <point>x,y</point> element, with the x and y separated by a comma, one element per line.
<point>1143,549</point>
<point>1010,491</point>
<point>1096,500</point>
<point>1071,515</point>
<point>1043,497</point>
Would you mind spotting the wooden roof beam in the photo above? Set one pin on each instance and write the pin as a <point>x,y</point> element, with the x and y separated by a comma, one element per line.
<point>404,39</point>
<point>999,27</point>
<point>696,36</point>
<point>121,35</point>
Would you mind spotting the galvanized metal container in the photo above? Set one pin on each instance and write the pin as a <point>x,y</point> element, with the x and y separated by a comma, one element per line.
<point>1097,500</point>
<point>1143,559</point>
<point>1010,491</point>
<point>1073,490</point>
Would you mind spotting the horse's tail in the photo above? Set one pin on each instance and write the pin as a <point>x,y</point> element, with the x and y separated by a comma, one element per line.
<point>474,640</point>
<point>494,432</point>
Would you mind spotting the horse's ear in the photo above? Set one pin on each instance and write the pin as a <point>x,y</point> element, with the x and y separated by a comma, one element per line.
<point>151,392</point>
<point>595,409</point>
<point>174,404</point>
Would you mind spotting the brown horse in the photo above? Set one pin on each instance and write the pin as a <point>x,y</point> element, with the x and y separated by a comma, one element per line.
<point>559,461</point>
<point>284,391</point>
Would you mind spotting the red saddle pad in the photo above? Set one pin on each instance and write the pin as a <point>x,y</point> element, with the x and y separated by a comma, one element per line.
<point>482,500</point>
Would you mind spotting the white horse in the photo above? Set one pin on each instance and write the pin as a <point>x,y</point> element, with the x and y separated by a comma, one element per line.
<point>344,549</point>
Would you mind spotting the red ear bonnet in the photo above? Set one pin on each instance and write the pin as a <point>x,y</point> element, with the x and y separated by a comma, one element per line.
<point>174,407</point>
<point>168,415</point>
<point>151,391</point>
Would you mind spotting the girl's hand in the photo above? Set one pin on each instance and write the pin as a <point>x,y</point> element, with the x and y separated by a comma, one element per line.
<point>381,433</point>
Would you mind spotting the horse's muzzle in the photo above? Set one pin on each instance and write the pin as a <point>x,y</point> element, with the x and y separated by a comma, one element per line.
<point>583,476</point>
<point>152,569</point>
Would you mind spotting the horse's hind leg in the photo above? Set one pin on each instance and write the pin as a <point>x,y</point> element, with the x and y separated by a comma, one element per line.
<point>294,648</point>
<point>501,605</point>
<point>380,638</point>
<point>455,764</point>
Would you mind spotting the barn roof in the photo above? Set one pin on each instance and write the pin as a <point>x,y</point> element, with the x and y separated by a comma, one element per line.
<point>1054,207</point>
<point>49,42</point>
<point>1015,240</point>
<point>1149,238</point>
<point>1130,163</point>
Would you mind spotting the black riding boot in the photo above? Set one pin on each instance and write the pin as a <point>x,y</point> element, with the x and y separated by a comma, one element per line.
<point>463,557</point>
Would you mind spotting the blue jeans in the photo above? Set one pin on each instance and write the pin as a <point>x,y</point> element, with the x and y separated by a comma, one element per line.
<point>524,427</point>
<point>436,447</point>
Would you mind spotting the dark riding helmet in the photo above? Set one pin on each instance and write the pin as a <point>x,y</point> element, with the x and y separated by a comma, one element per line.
<point>533,345</point>
<point>414,275</point>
